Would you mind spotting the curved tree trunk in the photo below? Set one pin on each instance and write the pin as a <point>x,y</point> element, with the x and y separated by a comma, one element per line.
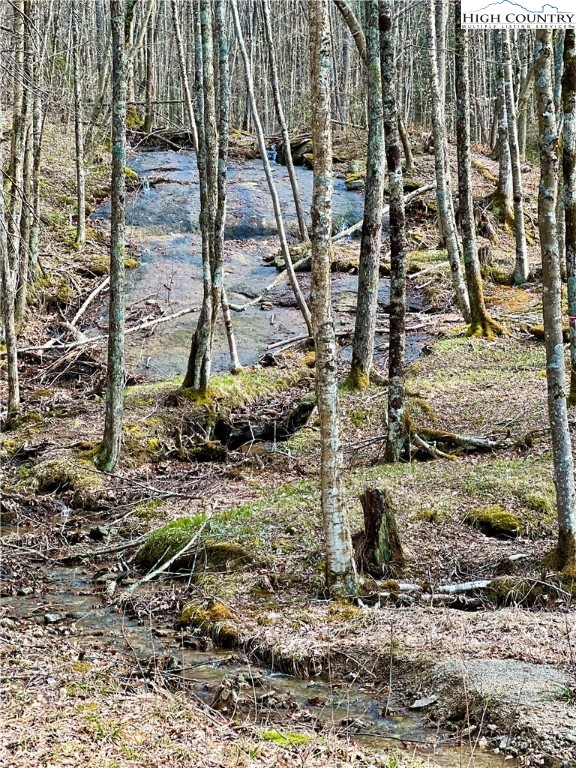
<point>340,565</point>
<point>369,264</point>
<point>282,121</point>
<point>565,555</point>
<point>268,171</point>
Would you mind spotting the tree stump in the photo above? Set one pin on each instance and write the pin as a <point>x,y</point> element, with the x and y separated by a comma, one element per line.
<point>378,548</point>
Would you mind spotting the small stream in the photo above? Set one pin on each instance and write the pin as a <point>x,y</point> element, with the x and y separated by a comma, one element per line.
<point>66,598</point>
<point>162,221</point>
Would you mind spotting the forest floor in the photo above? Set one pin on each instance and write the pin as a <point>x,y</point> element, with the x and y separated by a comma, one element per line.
<point>82,684</point>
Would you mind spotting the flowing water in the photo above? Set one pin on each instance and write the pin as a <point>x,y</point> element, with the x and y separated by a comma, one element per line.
<point>162,221</point>
<point>347,708</point>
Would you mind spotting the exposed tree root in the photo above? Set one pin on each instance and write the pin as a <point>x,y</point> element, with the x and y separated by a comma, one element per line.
<point>486,328</point>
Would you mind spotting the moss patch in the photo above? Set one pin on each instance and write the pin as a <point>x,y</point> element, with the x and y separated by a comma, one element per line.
<point>165,542</point>
<point>87,487</point>
<point>287,739</point>
<point>494,521</point>
<point>214,619</point>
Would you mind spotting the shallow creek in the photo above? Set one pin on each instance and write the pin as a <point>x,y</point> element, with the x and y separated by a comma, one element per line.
<point>68,597</point>
<point>162,221</point>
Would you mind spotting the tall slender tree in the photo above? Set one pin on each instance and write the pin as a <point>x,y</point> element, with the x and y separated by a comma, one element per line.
<point>443,192</point>
<point>110,449</point>
<point>396,427</point>
<point>521,268</point>
<point>78,131</point>
<point>481,324</point>
<point>340,567</point>
<point>565,555</point>
<point>369,265</point>
<point>569,167</point>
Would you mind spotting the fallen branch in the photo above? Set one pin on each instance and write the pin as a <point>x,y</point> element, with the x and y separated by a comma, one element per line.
<point>385,211</point>
<point>98,290</point>
<point>164,567</point>
<point>104,336</point>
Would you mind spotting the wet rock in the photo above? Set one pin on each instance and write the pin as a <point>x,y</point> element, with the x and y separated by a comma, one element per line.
<point>98,533</point>
<point>424,702</point>
<point>53,618</point>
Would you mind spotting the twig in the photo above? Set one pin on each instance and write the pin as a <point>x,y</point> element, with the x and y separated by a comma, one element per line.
<point>104,336</point>
<point>164,567</point>
<point>89,300</point>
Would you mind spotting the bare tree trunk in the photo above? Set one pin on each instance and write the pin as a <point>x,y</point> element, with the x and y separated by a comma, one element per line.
<point>282,121</point>
<point>522,111</point>
<point>340,566</point>
<point>569,167</point>
<point>200,359</point>
<point>219,292</point>
<point>80,180</point>
<point>396,428</point>
<point>521,268</point>
<point>369,265</point>
<point>8,298</point>
<point>150,88</point>
<point>115,379</point>
<point>481,323</point>
<point>267,170</point>
<point>502,199</point>
<point>189,104</point>
<point>565,555</point>
<point>443,195</point>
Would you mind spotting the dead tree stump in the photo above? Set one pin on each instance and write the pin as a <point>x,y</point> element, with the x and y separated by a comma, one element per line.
<point>378,548</point>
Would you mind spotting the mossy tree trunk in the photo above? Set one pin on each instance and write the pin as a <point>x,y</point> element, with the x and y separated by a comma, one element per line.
<point>109,453</point>
<point>569,167</point>
<point>396,430</point>
<point>150,84</point>
<point>379,548</point>
<point>443,193</point>
<point>521,269</point>
<point>481,323</point>
<point>565,555</point>
<point>340,566</point>
<point>369,264</point>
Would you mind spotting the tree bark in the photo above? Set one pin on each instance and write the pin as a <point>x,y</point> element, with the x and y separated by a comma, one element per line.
<point>267,170</point>
<point>188,102</point>
<point>109,454</point>
<point>502,199</point>
<point>282,120</point>
<point>80,178</point>
<point>397,340</point>
<point>340,566</point>
<point>379,548</point>
<point>521,269</point>
<point>481,323</point>
<point>565,554</point>
<point>569,167</point>
<point>443,194</point>
<point>369,264</point>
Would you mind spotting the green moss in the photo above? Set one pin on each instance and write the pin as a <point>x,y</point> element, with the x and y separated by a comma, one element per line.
<point>486,173</point>
<point>357,380</point>
<point>494,521</point>
<point>498,275</point>
<point>214,619</point>
<point>507,590</point>
<point>162,544</point>
<point>79,477</point>
<point>287,739</point>
<point>133,119</point>
<point>358,416</point>
<point>131,263</point>
<point>428,515</point>
<point>147,510</point>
